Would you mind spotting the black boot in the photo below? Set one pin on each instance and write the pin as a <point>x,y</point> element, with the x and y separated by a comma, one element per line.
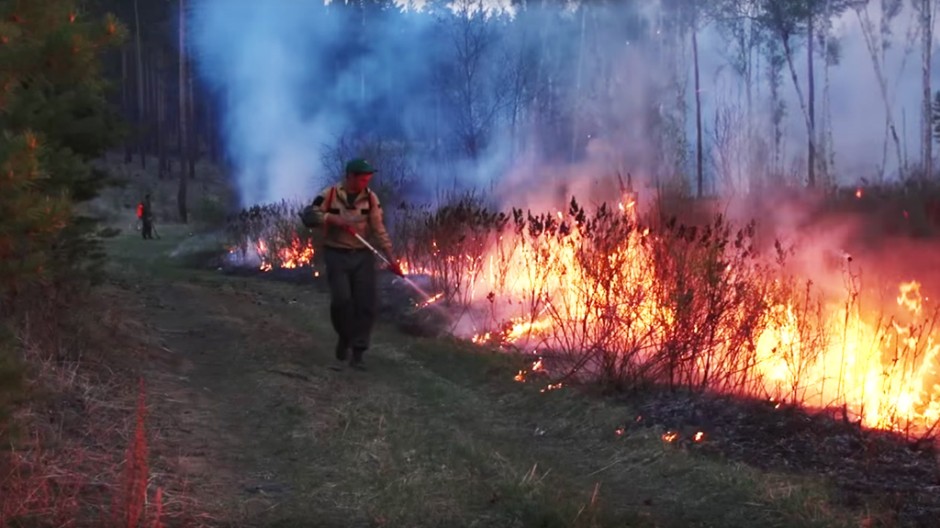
<point>342,349</point>
<point>356,361</point>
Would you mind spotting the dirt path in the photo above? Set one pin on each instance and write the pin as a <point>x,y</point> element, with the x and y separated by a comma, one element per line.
<point>265,434</point>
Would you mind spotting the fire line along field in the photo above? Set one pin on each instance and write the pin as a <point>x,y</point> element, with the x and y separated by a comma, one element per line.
<point>472,263</point>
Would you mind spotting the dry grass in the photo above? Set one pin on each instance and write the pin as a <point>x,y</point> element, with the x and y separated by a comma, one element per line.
<point>436,434</point>
<point>65,452</point>
<point>78,448</point>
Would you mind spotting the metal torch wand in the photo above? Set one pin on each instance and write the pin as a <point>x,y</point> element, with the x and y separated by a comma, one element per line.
<point>389,264</point>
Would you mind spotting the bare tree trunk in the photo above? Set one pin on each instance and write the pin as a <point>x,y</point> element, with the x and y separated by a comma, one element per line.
<point>810,129</point>
<point>699,157</point>
<point>150,83</point>
<point>212,139</point>
<point>575,132</point>
<point>926,21</point>
<point>362,69</point>
<point>164,166</point>
<point>181,192</point>
<point>828,147</point>
<point>811,96</point>
<point>192,148</point>
<point>140,90</point>
<point>868,34</point>
<point>125,102</point>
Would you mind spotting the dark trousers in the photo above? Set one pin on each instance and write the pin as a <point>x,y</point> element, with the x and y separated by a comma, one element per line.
<point>147,229</point>
<point>351,277</point>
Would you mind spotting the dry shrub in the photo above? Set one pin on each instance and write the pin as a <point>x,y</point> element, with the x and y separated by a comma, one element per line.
<point>271,233</point>
<point>128,507</point>
<point>712,295</point>
<point>449,243</point>
<point>690,306</point>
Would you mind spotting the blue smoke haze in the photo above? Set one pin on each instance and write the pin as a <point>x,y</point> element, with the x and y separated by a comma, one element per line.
<point>293,76</point>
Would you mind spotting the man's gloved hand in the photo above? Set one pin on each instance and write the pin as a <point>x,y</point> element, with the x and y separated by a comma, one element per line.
<point>395,268</point>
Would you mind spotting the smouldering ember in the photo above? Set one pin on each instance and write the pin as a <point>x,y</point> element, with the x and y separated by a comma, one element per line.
<point>553,285</point>
<point>671,437</point>
<point>537,366</point>
<point>431,300</point>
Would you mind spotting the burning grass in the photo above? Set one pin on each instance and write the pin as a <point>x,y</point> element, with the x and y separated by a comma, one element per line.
<point>270,237</point>
<point>77,449</point>
<point>326,444</point>
<point>631,303</point>
<point>699,307</point>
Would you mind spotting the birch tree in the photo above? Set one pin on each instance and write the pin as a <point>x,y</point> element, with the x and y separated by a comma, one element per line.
<point>878,43</point>
<point>924,9</point>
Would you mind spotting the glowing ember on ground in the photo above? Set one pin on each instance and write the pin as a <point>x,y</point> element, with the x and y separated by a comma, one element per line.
<point>430,300</point>
<point>481,338</point>
<point>670,436</point>
<point>537,366</point>
<point>699,436</point>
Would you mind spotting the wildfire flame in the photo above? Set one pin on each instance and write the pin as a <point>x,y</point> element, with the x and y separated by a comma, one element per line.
<point>882,374</point>
<point>430,300</point>
<point>537,366</point>
<point>293,253</point>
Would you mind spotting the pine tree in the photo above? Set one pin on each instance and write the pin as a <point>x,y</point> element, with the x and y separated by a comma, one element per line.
<point>54,120</point>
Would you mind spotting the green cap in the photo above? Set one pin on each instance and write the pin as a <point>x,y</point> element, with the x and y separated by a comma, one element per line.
<point>359,166</point>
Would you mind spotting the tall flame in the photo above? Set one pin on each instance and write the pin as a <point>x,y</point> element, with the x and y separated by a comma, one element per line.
<point>882,372</point>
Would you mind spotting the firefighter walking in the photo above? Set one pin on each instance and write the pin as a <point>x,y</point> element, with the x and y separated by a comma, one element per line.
<point>345,210</point>
<point>145,214</point>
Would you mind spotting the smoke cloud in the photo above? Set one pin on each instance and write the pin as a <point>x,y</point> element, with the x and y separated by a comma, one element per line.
<point>555,96</point>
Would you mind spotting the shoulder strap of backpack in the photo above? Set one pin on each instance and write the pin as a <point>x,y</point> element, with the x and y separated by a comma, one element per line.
<point>327,205</point>
<point>329,198</point>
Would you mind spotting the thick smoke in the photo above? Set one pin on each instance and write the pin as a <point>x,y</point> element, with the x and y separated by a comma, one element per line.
<point>555,96</point>
<point>294,76</point>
